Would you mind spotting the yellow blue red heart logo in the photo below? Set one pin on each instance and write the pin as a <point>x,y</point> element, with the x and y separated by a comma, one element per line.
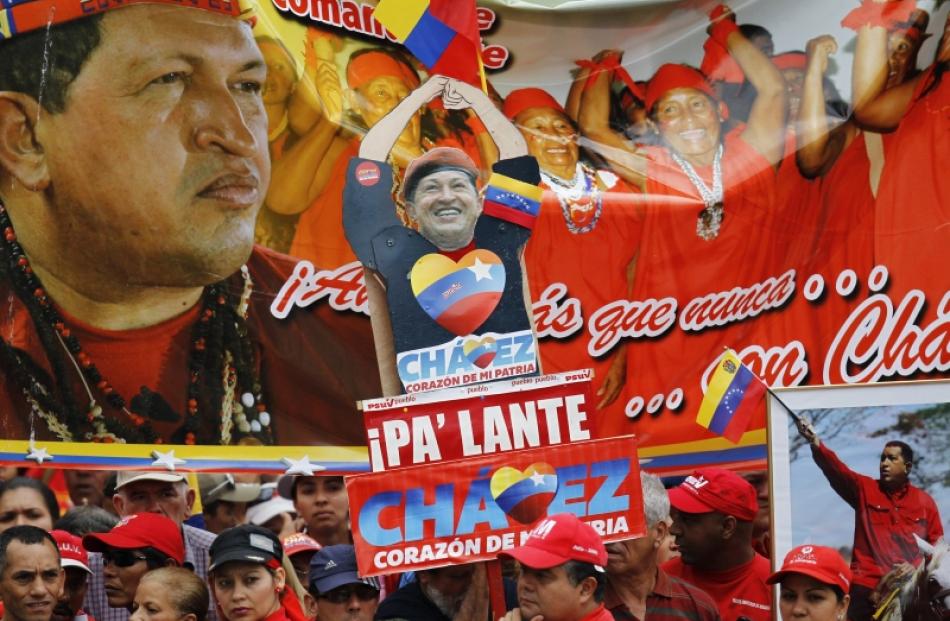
<point>459,296</point>
<point>480,352</point>
<point>524,494</point>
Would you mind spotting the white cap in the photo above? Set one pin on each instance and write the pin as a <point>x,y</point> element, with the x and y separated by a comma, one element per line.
<point>264,511</point>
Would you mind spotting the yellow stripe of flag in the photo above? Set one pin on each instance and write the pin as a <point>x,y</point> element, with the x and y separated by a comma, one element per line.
<point>527,190</point>
<point>400,16</point>
<point>718,384</point>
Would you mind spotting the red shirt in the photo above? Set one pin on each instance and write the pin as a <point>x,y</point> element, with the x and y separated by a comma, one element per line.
<point>601,614</point>
<point>738,592</point>
<point>314,364</point>
<point>672,599</point>
<point>913,200</point>
<point>884,523</point>
<point>675,262</point>
<point>590,261</point>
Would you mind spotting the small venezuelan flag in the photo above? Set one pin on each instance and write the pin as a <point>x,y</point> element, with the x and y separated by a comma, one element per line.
<point>733,395</point>
<point>442,34</point>
<point>512,200</point>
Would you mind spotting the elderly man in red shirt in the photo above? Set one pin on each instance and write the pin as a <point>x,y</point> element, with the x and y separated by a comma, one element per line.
<point>888,512</point>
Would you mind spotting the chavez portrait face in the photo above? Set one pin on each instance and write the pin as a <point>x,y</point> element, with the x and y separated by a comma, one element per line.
<point>446,206</point>
<point>159,164</point>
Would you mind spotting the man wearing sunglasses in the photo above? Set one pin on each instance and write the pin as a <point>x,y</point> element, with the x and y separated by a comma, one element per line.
<point>136,545</point>
<point>340,593</point>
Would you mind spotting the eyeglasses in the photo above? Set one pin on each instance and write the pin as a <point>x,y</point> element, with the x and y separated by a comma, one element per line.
<point>122,558</point>
<point>341,595</point>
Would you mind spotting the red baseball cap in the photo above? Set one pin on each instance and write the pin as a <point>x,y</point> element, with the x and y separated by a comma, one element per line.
<point>557,539</point>
<point>71,552</point>
<point>299,542</point>
<point>435,159</point>
<point>716,489</point>
<point>141,530</point>
<point>822,563</point>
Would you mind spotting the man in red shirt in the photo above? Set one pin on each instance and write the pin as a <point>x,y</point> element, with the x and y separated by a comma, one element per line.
<point>888,512</point>
<point>562,572</point>
<point>637,588</point>
<point>712,513</point>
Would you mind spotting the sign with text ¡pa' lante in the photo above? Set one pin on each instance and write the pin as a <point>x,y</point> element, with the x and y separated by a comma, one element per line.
<point>472,509</point>
<point>478,420</point>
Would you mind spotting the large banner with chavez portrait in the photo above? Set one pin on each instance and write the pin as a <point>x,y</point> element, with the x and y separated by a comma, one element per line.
<point>169,279</point>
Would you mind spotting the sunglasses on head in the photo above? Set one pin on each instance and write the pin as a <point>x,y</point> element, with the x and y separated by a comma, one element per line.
<point>342,594</point>
<point>122,558</point>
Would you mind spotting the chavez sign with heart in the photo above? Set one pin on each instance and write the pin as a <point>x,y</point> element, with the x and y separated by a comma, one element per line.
<point>470,510</point>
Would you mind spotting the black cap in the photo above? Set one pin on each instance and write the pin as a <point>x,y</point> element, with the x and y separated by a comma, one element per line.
<point>246,543</point>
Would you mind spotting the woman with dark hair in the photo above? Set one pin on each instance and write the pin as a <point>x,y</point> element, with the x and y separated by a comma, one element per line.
<point>170,594</point>
<point>247,578</point>
<point>27,501</point>
<point>814,584</point>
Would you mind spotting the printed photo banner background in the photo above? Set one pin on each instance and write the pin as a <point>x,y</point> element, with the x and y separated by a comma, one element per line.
<point>878,322</point>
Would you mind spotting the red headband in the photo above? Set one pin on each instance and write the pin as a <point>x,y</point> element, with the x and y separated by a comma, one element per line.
<point>521,99</point>
<point>35,14</point>
<point>790,60</point>
<point>669,77</point>
<point>369,66</point>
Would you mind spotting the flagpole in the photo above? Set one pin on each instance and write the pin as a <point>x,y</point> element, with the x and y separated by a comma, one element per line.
<point>481,71</point>
<point>795,417</point>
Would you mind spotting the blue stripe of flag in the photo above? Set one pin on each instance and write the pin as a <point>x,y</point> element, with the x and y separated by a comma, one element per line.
<point>510,199</point>
<point>435,303</point>
<point>429,39</point>
<point>731,400</point>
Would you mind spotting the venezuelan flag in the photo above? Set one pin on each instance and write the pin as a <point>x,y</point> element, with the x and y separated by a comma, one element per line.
<point>442,34</point>
<point>733,395</point>
<point>513,200</point>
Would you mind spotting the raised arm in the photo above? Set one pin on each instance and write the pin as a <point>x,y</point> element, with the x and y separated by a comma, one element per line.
<point>594,121</point>
<point>460,96</point>
<point>819,144</point>
<point>765,129</point>
<point>876,107</point>
<point>381,137</point>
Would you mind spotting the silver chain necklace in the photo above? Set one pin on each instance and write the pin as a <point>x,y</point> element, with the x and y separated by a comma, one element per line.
<point>710,218</point>
<point>576,198</point>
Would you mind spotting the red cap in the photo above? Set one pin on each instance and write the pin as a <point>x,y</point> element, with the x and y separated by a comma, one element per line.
<point>557,539</point>
<point>448,157</point>
<point>365,67</point>
<point>790,60</point>
<point>671,76</point>
<point>819,562</point>
<point>71,552</point>
<point>716,489</point>
<point>299,542</point>
<point>521,99</point>
<point>142,530</point>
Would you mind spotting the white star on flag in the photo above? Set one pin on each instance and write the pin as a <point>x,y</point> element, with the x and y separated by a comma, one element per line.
<point>481,270</point>
<point>301,466</point>
<point>39,455</point>
<point>538,478</point>
<point>166,459</point>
